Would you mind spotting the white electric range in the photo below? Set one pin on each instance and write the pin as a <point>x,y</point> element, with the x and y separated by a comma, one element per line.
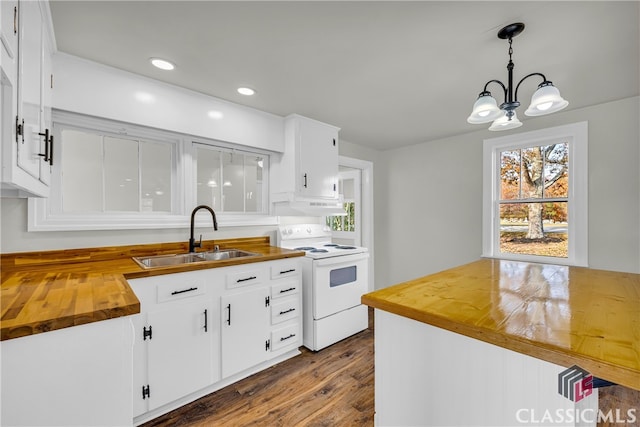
<point>334,277</point>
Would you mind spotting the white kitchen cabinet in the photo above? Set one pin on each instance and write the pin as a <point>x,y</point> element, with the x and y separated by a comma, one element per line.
<point>308,168</point>
<point>176,350</point>
<point>245,329</point>
<point>9,32</point>
<point>76,376</point>
<point>181,352</point>
<point>254,320</point>
<point>27,145</point>
<point>286,305</point>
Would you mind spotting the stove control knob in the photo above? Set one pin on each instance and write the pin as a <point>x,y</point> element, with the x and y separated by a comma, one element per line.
<point>288,231</point>
<point>309,230</point>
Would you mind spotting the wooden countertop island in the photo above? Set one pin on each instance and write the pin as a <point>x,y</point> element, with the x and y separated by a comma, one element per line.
<point>558,314</point>
<point>45,291</point>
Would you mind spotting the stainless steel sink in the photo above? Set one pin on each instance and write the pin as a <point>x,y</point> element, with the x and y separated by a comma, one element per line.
<point>182,259</point>
<point>225,254</point>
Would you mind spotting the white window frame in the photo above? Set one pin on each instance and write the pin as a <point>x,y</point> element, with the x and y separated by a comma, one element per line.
<point>576,135</point>
<point>41,216</point>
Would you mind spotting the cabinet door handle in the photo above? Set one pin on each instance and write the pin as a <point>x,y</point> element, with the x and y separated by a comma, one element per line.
<point>287,311</point>
<point>183,291</point>
<point>288,337</point>
<point>246,279</point>
<point>229,314</point>
<point>288,271</point>
<point>51,150</point>
<point>305,181</point>
<point>283,291</point>
<point>206,320</point>
<point>46,145</point>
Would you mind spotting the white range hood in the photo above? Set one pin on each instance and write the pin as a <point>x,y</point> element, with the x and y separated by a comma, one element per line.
<point>291,205</point>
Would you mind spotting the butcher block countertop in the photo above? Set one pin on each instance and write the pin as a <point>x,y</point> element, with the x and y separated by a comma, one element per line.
<point>45,291</point>
<point>564,315</point>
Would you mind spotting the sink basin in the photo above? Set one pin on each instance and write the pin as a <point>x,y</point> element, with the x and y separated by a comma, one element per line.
<point>182,259</point>
<point>225,254</point>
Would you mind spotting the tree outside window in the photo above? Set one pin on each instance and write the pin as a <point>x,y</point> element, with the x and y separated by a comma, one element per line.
<point>534,200</point>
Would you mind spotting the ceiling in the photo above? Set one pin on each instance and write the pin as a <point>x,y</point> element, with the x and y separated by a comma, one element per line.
<point>389,74</point>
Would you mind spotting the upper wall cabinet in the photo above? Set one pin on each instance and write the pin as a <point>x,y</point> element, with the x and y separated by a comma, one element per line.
<point>308,169</point>
<point>27,143</point>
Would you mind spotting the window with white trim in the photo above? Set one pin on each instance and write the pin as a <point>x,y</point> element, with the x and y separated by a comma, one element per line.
<point>113,175</point>
<point>535,188</point>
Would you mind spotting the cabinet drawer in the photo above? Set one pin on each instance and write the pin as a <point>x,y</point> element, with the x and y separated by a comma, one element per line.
<point>285,269</point>
<point>289,335</point>
<point>178,291</point>
<point>285,309</point>
<point>244,278</point>
<point>286,288</point>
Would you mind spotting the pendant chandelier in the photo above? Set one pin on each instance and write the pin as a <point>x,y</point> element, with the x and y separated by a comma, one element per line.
<point>545,100</point>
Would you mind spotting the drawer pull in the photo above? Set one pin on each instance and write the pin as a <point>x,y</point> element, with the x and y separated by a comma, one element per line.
<point>246,279</point>
<point>288,271</point>
<point>282,291</point>
<point>183,291</point>
<point>287,311</point>
<point>286,338</point>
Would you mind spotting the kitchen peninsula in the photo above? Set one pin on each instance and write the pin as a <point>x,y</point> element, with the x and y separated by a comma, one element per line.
<point>516,326</point>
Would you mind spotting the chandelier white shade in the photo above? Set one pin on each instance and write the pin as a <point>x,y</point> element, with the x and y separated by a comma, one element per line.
<point>485,109</point>
<point>505,123</point>
<point>545,100</point>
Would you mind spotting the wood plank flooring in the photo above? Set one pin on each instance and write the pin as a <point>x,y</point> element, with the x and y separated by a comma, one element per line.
<point>331,387</point>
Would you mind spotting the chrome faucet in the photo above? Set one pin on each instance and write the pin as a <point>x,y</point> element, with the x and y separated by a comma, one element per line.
<point>192,242</point>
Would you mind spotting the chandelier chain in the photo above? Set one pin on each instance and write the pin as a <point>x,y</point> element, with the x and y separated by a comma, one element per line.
<point>510,48</point>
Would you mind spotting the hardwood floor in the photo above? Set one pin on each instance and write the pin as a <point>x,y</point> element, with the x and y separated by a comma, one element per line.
<point>331,387</point>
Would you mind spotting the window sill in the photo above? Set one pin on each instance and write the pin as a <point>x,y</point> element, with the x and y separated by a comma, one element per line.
<point>537,259</point>
<point>40,220</point>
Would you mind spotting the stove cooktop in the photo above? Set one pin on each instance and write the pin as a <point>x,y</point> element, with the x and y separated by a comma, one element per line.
<point>315,240</point>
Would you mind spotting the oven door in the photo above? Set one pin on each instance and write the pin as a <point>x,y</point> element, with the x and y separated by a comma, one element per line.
<point>338,283</point>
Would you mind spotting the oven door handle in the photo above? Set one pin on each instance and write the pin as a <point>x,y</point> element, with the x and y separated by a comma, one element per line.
<point>344,259</point>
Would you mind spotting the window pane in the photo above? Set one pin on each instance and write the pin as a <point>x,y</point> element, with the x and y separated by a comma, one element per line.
<point>531,177</point>
<point>534,229</point>
<point>556,170</point>
<point>155,169</point>
<point>121,174</point>
<point>81,158</point>
<point>510,175</point>
<point>253,168</point>
<point>350,218</point>
<point>209,184</point>
<point>232,182</point>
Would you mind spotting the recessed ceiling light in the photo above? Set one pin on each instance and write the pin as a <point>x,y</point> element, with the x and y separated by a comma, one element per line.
<point>162,64</point>
<point>246,91</point>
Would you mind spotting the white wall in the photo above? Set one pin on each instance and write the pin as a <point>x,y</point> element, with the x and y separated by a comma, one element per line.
<point>428,217</point>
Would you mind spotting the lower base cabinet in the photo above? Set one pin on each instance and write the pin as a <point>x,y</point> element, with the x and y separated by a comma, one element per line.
<point>76,376</point>
<point>180,354</point>
<point>202,330</point>
<point>245,330</point>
